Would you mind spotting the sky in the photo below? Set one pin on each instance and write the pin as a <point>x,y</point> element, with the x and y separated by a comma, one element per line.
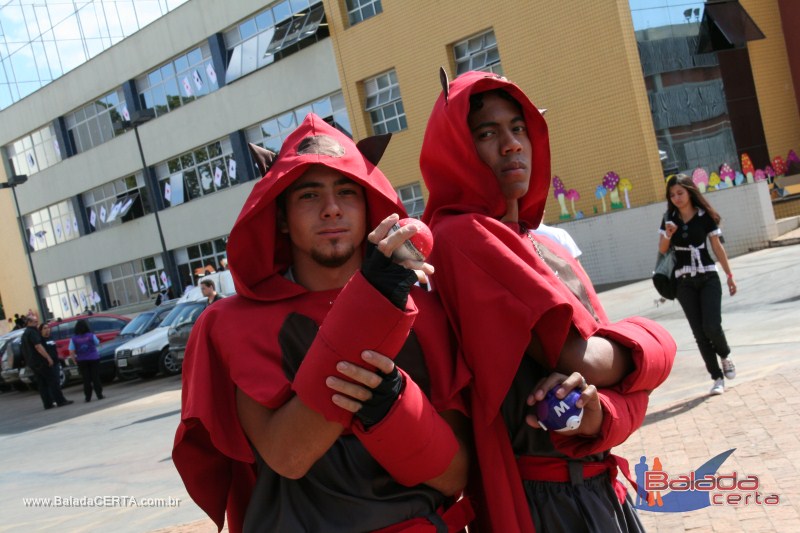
<point>41,40</point>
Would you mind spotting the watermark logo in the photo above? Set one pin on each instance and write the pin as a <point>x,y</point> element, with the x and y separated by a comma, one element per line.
<point>662,491</point>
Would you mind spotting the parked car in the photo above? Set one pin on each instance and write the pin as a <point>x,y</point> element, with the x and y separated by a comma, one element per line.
<point>148,354</point>
<point>11,360</point>
<point>178,333</point>
<point>141,324</point>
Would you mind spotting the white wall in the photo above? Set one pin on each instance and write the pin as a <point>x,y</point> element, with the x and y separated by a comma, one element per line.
<point>623,245</point>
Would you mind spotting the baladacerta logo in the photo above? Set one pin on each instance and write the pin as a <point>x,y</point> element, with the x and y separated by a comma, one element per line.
<point>661,491</point>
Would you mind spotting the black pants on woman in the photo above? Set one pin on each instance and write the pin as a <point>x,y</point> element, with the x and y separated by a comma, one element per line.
<point>701,299</point>
<point>90,372</point>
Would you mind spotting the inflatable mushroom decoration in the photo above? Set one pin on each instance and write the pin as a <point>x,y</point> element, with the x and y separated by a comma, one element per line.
<point>792,163</point>
<point>714,181</point>
<point>626,185</point>
<point>573,195</point>
<point>559,192</point>
<point>768,170</point>
<point>726,174</point>
<point>759,176</point>
<point>700,178</point>
<point>747,167</point>
<point>779,166</point>
<point>610,182</point>
<point>600,192</point>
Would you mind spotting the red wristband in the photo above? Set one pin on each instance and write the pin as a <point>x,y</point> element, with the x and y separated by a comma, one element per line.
<point>730,276</point>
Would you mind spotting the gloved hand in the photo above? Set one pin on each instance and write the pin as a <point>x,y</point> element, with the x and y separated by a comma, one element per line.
<point>383,397</point>
<point>390,279</point>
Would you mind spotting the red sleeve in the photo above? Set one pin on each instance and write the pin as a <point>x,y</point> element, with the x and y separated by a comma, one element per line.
<point>622,415</point>
<point>485,283</point>
<point>652,350</point>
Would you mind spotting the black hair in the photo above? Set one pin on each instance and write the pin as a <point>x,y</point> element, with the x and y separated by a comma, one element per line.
<point>476,100</point>
<point>81,327</point>
<point>698,200</point>
<point>208,283</point>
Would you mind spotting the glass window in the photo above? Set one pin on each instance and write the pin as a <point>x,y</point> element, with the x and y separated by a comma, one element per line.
<point>68,298</point>
<point>360,10</point>
<point>271,133</point>
<point>113,203</point>
<point>35,152</point>
<point>197,173</point>
<point>384,104</point>
<point>685,89</point>
<point>97,122</point>
<point>278,31</point>
<point>411,196</point>
<point>200,259</point>
<point>52,225</point>
<point>478,53</point>
<point>133,282</point>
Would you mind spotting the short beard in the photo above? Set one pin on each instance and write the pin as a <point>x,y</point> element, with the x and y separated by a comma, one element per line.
<point>334,260</point>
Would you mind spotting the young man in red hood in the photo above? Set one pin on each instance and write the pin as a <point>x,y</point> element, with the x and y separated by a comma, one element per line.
<point>294,414</point>
<point>528,319</point>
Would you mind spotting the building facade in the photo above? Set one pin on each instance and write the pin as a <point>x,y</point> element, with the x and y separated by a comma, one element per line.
<point>137,160</point>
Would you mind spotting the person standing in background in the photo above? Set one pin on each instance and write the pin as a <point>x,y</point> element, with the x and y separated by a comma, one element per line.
<point>43,364</point>
<point>83,348</point>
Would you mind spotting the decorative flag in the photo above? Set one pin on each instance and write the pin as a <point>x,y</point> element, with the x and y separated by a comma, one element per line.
<point>142,288</point>
<point>198,81</point>
<point>92,218</point>
<point>212,74</point>
<point>218,177</point>
<point>232,168</point>
<point>187,87</point>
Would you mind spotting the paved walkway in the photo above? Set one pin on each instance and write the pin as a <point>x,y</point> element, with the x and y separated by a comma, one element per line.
<point>129,436</point>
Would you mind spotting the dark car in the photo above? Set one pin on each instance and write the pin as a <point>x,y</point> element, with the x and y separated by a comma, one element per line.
<point>178,333</point>
<point>141,324</point>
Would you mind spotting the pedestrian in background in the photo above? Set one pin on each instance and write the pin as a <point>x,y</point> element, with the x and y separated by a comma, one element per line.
<point>43,363</point>
<point>691,223</point>
<point>83,348</point>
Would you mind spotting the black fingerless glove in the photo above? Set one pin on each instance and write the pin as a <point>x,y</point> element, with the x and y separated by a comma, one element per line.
<point>390,279</point>
<point>383,397</point>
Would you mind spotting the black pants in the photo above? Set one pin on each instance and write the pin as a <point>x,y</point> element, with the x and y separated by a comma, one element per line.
<point>47,381</point>
<point>90,372</point>
<point>701,299</point>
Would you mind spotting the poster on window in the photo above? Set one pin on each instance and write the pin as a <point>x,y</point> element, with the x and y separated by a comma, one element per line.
<point>115,209</point>
<point>74,300</point>
<point>92,218</point>
<point>126,206</point>
<point>154,282</point>
<point>84,303</point>
<point>187,87</point>
<point>218,177</point>
<point>31,161</point>
<point>198,81</point>
<point>165,279</point>
<point>232,168</point>
<point>57,148</point>
<point>58,230</point>
<point>96,298</point>
<point>102,213</point>
<point>65,303</point>
<point>68,228</point>
<point>142,287</point>
<point>125,114</point>
<point>75,225</point>
<point>205,179</point>
<point>176,188</point>
<point>212,74</point>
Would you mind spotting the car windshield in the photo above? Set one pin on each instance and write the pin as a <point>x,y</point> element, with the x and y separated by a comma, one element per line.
<point>171,317</point>
<point>138,325</point>
<point>189,313</point>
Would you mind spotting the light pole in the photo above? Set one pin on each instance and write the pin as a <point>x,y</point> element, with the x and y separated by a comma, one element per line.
<point>13,181</point>
<point>139,117</point>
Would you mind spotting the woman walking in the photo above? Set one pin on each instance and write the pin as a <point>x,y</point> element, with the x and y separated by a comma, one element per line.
<point>691,222</point>
<point>83,347</point>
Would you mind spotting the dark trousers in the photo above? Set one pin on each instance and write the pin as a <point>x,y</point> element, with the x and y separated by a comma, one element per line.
<point>701,299</point>
<point>47,381</point>
<point>90,372</point>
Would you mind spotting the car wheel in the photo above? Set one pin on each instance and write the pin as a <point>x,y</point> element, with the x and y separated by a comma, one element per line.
<point>168,363</point>
<point>62,377</point>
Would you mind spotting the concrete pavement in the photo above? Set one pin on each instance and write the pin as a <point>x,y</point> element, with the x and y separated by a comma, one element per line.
<point>122,447</point>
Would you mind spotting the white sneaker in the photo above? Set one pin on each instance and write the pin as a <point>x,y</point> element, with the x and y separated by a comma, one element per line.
<point>728,368</point>
<point>718,388</point>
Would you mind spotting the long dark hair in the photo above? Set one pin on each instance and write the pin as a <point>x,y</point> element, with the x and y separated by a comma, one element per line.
<point>698,200</point>
<point>81,327</point>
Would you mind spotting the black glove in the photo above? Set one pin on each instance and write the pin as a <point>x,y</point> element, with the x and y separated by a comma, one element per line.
<point>383,397</point>
<point>390,279</point>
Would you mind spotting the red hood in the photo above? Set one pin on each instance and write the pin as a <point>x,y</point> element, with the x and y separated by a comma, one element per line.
<point>258,253</point>
<point>457,179</point>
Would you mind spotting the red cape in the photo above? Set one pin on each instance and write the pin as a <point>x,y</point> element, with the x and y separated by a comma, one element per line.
<point>496,290</point>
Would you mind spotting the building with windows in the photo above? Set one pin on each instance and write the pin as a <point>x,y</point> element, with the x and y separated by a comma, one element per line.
<point>137,159</point>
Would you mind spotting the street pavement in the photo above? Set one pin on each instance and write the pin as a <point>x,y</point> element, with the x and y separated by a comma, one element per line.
<point>121,446</point>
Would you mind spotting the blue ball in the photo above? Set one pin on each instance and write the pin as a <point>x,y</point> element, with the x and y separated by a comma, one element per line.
<point>559,415</point>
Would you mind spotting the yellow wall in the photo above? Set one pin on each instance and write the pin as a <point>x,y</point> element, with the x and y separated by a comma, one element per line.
<point>16,283</point>
<point>773,79</point>
<point>577,59</point>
